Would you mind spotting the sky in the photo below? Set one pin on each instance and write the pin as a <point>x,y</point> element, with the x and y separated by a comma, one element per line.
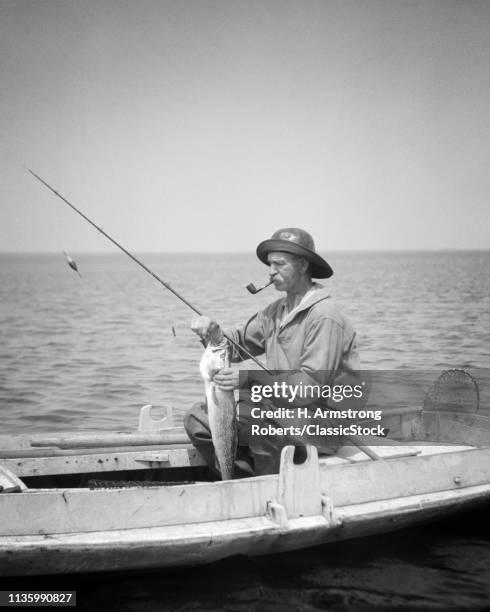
<point>206,125</point>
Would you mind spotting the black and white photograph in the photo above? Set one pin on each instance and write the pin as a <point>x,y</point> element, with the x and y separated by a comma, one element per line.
<point>245,305</point>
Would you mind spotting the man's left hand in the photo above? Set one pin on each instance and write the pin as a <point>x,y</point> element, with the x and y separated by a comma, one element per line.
<point>227,379</point>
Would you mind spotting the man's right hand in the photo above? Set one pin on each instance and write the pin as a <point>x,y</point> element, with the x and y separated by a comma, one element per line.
<point>207,329</point>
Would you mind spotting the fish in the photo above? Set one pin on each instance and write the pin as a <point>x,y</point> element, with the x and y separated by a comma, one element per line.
<point>72,263</point>
<point>221,409</point>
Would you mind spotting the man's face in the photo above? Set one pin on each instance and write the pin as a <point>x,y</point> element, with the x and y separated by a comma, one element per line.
<point>285,270</point>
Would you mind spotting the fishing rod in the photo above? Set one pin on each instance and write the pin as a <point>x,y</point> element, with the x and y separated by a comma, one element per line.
<point>142,265</point>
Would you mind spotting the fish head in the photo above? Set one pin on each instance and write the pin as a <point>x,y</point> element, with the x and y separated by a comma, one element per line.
<point>214,359</point>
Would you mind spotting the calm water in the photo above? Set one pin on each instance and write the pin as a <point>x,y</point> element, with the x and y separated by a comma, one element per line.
<point>88,352</point>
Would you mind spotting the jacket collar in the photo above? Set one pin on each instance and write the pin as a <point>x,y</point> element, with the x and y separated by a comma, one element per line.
<point>318,294</point>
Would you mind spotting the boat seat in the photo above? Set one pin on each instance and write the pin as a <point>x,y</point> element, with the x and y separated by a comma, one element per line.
<point>9,482</point>
<point>389,449</point>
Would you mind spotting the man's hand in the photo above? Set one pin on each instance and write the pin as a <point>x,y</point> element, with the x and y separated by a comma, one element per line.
<point>207,329</point>
<point>227,379</point>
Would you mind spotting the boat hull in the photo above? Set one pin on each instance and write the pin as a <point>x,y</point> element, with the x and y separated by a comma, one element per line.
<point>188,545</point>
<point>439,464</point>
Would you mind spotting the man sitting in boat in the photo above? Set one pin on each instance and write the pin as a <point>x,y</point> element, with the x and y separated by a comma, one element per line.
<point>303,333</point>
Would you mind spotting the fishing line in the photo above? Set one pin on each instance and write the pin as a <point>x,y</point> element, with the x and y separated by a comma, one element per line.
<point>142,265</point>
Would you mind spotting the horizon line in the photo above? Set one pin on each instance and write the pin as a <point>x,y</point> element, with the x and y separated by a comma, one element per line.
<point>251,252</point>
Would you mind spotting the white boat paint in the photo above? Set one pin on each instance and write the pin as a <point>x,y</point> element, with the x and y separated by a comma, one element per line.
<point>440,464</point>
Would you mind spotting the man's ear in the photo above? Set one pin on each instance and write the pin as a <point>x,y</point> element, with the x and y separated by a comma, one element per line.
<point>305,264</point>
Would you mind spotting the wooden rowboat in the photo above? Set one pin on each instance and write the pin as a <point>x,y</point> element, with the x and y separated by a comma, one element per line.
<point>106,501</point>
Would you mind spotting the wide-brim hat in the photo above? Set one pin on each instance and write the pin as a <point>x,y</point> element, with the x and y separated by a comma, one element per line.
<point>298,242</point>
